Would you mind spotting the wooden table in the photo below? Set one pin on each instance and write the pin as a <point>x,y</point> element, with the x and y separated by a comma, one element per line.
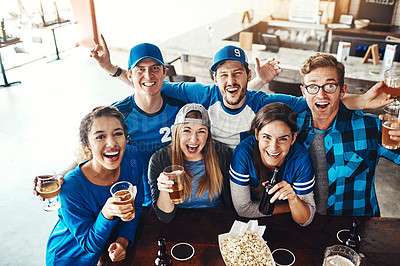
<point>380,237</point>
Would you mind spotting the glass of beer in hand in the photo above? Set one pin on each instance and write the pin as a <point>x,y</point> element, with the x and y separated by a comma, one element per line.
<point>176,174</point>
<point>392,82</point>
<point>48,187</point>
<point>127,193</point>
<point>391,116</point>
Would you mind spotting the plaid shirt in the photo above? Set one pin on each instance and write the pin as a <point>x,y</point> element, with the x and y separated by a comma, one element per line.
<point>353,147</point>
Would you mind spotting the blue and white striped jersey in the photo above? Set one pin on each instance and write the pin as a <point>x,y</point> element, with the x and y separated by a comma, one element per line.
<point>296,169</point>
<point>229,127</point>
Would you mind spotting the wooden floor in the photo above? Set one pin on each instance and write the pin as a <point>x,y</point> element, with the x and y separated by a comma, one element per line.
<point>39,121</point>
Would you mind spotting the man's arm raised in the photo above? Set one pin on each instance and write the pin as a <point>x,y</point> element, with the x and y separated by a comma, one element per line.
<point>372,99</point>
<point>101,53</point>
<point>264,73</point>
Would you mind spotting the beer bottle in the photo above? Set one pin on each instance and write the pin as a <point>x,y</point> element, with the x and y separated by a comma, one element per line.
<point>266,207</point>
<point>162,259</point>
<point>353,241</point>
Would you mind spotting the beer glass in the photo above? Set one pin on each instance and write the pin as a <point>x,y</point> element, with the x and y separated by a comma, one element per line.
<point>127,193</point>
<point>391,115</point>
<point>176,174</point>
<point>48,187</point>
<point>391,79</point>
<point>341,255</point>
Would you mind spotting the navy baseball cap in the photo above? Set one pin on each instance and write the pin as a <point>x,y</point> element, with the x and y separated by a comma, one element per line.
<point>229,52</point>
<point>142,51</point>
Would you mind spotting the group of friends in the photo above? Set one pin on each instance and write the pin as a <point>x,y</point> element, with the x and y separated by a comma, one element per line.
<point>229,137</point>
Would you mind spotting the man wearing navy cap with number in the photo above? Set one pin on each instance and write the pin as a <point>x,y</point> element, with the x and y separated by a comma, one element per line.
<point>230,104</point>
<point>151,110</point>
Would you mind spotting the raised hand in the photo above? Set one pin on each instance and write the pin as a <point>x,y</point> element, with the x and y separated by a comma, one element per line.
<point>375,97</point>
<point>268,70</point>
<point>101,53</point>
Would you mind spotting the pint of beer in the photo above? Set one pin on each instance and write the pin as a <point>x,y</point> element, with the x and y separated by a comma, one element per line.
<point>392,82</point>
<point>391,115</point>
<point>341,255</point>
<point>176,173</point>
<point>127,193</point>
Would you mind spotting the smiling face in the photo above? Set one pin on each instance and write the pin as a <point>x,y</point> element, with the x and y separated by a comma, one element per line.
<point>324,106</point>
<point>147,77</point>
<point>274,141</point>
<point>231,79</point>
<point>107,142</point>
<point>193,138</point>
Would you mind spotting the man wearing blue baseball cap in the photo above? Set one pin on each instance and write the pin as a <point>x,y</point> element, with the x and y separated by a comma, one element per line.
<point>265,72</point>
<point>149,114</point>
<point>230,104</point>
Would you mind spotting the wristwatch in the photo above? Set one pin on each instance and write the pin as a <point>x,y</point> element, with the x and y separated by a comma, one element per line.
<point>117,73</point>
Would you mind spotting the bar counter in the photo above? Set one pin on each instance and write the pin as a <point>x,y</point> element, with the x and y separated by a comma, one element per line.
<point>380,237</point>
<point>198,47</point>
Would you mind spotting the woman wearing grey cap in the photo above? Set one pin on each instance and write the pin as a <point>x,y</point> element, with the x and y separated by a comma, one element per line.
<point>205,162</point>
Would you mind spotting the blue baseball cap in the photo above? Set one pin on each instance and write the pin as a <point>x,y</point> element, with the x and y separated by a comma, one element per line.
<point>229,52</point>
<point>142,51</point>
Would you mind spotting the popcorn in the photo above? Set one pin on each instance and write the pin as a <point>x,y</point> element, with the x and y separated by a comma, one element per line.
<point>247,249</point>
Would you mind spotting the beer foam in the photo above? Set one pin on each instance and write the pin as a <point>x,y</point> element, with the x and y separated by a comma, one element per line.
<point>338,260</point>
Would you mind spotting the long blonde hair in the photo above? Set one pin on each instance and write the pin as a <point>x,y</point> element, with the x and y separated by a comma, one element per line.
<point>212,179</point>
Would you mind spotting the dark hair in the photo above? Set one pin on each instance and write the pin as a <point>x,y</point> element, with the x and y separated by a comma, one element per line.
<point>87,122</point>
<point>269,113</point>
<point>272,112</point>
<point>322,60</point>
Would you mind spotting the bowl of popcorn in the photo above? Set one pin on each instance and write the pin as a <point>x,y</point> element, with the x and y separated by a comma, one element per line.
<point>244,245</point>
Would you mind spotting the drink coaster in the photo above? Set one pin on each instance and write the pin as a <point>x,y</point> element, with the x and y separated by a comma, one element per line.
<point>343,235</point>
<point>283,257</point>
<point>182,251</point>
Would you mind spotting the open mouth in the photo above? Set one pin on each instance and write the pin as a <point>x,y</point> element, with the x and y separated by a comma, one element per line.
<point>149,84</point>
<point>192,148</point>
<point>273,155</point>
<point>111,156</point>
<point>233,90</point>
<point>321,106</point>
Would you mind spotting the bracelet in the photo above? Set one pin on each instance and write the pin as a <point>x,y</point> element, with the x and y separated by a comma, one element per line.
<point>117,73</point>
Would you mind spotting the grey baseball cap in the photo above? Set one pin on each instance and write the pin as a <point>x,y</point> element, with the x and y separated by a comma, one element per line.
<point>181,116</point>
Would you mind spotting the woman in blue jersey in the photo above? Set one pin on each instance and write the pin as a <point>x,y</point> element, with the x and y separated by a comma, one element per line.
<point>272,144</point>
<point>206,164</point>
<point>89,218</point>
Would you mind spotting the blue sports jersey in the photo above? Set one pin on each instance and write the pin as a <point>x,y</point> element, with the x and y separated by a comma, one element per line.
<point>226,126</point>
<point>82,232</point>
<point>296,169</point>
<point>149,132</point>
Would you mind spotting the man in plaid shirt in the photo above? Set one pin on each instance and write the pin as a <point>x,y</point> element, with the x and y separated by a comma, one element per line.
<point>345,145</point>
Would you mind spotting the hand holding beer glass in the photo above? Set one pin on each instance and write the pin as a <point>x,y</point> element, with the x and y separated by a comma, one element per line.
<point>176,173</point>
<point>391,118</point>
<point>48,187</point>
<point>127,193</point>
<point>392,82</point>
